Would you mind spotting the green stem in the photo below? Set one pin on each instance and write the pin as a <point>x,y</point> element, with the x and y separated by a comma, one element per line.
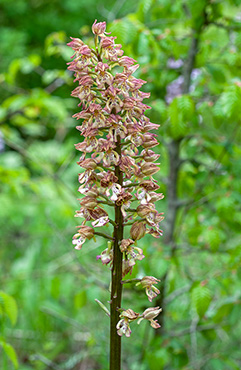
<point>131,185</point>
<point>116,278</point>
<point>127,281</point>
<point>132,222</point>
<point>104,235</point>
<point>104,202</point>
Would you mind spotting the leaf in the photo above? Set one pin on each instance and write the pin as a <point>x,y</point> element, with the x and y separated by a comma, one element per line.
<point>158,359</point>
<point>223,311</point>
<point>177,126</point>
<point>181,111</point>
<point>144,7</point>
<point>103,307</point>
<point>9,306</point>
<point>186,106</point>
<point>201,298</point>
<point>212,236</point>
<point>143,43</point>
<point>229,101</point>
<point>10,352</point>
<point>217,73</point>
<point>119,28</point>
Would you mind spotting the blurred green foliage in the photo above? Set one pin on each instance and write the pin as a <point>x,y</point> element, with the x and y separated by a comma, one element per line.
<point>59,324</point>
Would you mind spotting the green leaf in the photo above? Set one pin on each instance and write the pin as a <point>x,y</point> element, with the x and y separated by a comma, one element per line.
<point>201,298</point>
<point>224,311</point>
<point>103,307</point>
<point>217,73</point>
<point>119,28</point>
<point>212,236</point>
<point>229,101</point>
<point>143,43</point>
<point>144,7</point>
<point>10,352</point>
<point>181,111</point>
<point>186,106</point>
<point>158,359</point>
<point>9,306</point>
<point>177,126</point>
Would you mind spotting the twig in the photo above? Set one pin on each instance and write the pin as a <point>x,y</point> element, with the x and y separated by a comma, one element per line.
<point>45,361</point>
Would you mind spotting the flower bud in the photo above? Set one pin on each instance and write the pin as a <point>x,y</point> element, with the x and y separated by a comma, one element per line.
<point>149,141</point>
<point>148,281</point>
<point>86,231</point>
<point>108,42</point>
<point>149,185</point>
<point>92,192</point>
<point>148,169</point>
<point>89,202</point>
<point>126,61</point>
<point>75,44</point>
<point>151,312</point>
<point>143,210</point>
<point>98,28</point>
<point>130,314</point>
<point>138,230</point>
<point>88,164</point>
<point>156,196</point>
<point>149,155</point>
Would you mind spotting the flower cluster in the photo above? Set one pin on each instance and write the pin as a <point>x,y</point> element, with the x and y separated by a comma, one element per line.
<point>115,134</point>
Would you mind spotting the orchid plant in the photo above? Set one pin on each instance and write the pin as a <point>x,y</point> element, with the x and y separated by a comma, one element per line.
<point>118,167</point>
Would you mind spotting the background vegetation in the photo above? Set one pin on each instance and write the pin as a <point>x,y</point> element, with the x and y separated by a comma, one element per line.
<point>189,52</point>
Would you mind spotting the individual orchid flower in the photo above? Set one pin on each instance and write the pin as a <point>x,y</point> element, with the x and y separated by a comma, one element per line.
<point>148,282</point>
<point>127,267</point>
<point>78,241</point>
<point>149,314</point>
<point>123,326</point>
<point>116,190</point>
<point>123,201</point>
<point>106,255</point>
<point>132,252</point>
<point>84,232</point>
<point>99,28</point>
<point>100,221</point>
